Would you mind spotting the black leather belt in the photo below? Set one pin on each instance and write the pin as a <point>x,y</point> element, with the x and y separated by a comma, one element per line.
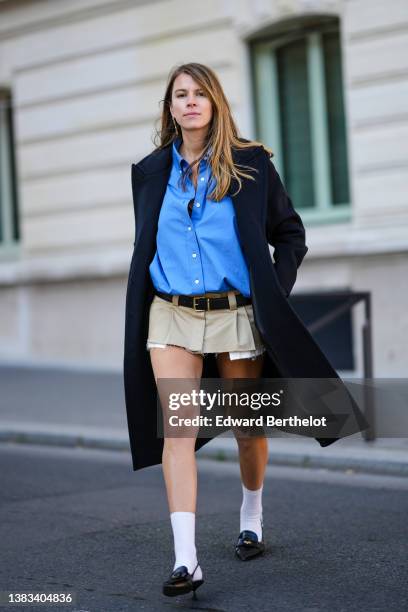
<point>205,303</point>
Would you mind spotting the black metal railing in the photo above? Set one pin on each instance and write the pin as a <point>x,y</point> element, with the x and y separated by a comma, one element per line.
<point>348,300</point>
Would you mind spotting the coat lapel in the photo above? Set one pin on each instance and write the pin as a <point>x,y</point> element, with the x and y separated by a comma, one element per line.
<point>153,174</point>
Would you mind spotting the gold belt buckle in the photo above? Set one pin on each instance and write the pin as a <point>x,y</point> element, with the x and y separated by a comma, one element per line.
<point>201,298</point>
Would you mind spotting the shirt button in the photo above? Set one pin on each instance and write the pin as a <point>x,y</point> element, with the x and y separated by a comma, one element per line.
<point>198,204</point>
<point>189,227</point>
<point>194,254</point>
<point>196,281</point>
<point>202,178</point>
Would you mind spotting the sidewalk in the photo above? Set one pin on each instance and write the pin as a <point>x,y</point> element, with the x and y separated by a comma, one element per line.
<point>86,408</point>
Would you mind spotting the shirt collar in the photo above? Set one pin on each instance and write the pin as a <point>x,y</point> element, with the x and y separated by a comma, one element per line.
<point>179,160</point>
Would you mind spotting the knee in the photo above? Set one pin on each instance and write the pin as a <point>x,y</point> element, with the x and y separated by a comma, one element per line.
<point>177,446</point>
<point>249,444</point>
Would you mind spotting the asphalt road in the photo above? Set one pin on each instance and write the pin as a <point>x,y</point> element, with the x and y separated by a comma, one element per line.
<point>81,520</point>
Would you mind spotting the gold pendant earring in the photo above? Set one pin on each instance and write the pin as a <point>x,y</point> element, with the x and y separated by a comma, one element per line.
<point>175,124</point>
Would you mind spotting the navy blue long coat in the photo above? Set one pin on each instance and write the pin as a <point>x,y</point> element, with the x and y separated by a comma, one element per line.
<point>265,216</point>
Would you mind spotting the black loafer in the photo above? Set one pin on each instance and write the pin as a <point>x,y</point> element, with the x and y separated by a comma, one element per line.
<point>181,582</point>
<point>248,545</point>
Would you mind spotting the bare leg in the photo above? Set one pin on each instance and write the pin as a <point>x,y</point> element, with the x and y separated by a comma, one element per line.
<point>253,457</point>
<point>178,459</point>
<point>253,452</point>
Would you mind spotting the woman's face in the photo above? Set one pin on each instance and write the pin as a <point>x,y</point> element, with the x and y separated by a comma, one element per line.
<point>190,106</point>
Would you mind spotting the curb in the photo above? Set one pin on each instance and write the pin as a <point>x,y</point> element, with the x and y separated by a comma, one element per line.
<point>315,460</point>
<point>65,440</point>
<point>309,460</point>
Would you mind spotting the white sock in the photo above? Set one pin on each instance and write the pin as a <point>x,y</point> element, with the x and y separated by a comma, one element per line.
<point>183,525</point>
<point>251,511</point>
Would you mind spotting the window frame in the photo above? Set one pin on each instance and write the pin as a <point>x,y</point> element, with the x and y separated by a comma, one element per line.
<point>268,115</point>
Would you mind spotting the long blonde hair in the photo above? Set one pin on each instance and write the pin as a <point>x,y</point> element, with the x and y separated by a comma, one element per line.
<point>222,134</point>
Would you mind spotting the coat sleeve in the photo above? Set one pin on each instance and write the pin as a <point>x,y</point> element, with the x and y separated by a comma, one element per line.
<point>284,231</point>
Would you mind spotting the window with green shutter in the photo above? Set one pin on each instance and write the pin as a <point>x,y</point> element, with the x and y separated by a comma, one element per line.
<point>295,122</point>
<point>9,221</point>
<point>335,118</point>
<point>298,91</point>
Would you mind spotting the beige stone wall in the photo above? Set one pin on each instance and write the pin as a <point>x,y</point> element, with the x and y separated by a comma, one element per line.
<point>77,322</point>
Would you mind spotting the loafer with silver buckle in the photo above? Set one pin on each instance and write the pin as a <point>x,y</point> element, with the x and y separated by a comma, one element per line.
<point>181,582</point>
<point>248,545</point>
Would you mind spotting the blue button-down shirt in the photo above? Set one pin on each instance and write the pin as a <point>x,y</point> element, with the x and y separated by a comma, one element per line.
<point>201,253</point>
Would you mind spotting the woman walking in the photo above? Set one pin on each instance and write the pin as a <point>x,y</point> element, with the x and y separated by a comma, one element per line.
<point>205,298</point>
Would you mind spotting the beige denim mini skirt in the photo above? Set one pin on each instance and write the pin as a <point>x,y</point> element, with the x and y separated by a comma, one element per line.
<point>231,330</point>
